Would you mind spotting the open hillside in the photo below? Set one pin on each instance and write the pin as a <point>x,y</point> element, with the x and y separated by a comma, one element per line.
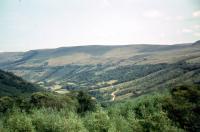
<point>108,72</point>
<point>11,85</point>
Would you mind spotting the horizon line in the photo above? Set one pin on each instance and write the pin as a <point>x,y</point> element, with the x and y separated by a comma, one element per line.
<point>128,44</point>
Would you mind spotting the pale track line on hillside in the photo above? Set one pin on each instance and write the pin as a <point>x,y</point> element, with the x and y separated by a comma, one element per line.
<point>113,94</point>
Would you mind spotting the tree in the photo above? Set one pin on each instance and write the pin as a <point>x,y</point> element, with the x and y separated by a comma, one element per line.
<point>86,103</point>
<point>6,104</point>
<point>184,106</point>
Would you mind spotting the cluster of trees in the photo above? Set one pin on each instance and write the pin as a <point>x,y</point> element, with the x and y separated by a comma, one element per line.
<point>159,78</point>
<point>122,74</point>
<point>77,111</point>
<point>87,75</point>
<point>184,107</point>
<point>131,72</point>
<point>79,102</point>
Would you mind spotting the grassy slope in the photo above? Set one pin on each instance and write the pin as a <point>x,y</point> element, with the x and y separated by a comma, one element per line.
<point>11,85</point>
<point>133,69</point>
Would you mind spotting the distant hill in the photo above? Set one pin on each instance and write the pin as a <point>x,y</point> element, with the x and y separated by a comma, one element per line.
<point>11,85</point>
<point>197,43</point>
<point>103,69</point>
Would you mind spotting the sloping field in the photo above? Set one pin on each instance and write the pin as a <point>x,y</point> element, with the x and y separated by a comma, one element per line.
<point>108,71</point>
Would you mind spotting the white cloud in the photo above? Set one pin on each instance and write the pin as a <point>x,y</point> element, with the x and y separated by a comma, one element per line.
<point>168,18</point>
<point>186,30</point>
<point>106,3</point>
<point>192,30</point>
<point>162,35</point>
<point>196,27</point>
<point>153,14</point>
<point>197,34</point>
<point>196,14</point>
<point>174,18</point>
<point>179,18</point>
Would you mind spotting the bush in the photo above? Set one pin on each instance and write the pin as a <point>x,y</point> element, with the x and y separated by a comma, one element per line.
<point>120,124</point>
<point>184,106</point>
<point>143,114</point>
<point>53,100</point>
<point>98,121</point>
<point>56,121</point>
<point>86,103</point>
<point>6,104</point>
<point>19,122</point>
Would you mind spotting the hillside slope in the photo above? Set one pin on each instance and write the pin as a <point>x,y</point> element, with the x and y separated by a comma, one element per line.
<point>96,68</point>
<point>11,85</point>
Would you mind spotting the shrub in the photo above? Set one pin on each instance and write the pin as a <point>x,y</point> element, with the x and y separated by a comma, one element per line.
<point>6,104</point>
<point>19,122</point>
<point>56,121</point>
<point>98,121</point>
<point>23,103</point>
<point>184,106</point>
<point>143,114</point>
<point>53,100</point>
<point>120,124</point>
<point>86,103</point>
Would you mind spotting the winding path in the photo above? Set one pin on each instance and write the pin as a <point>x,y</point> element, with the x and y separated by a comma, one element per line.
<point>113,94</point>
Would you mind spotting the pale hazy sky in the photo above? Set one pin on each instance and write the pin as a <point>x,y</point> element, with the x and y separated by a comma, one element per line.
<point>35,24</point>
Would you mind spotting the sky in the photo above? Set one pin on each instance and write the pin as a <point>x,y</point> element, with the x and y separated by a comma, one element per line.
<point>38,24</point>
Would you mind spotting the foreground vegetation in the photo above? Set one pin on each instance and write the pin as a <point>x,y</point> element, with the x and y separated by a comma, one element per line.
<point>77,111</point>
